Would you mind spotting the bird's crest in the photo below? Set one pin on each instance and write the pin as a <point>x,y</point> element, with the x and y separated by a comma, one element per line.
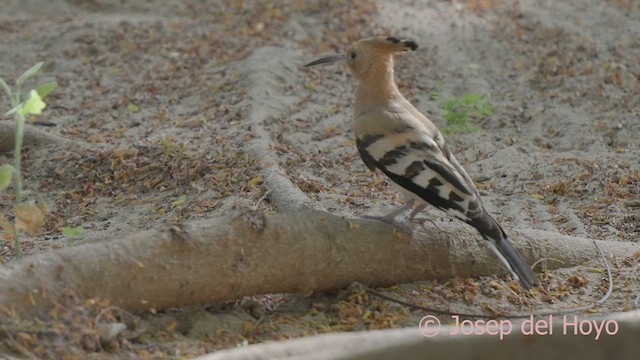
<point>387,43</point>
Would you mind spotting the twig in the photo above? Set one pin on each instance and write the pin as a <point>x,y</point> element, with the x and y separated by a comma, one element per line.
<point>509,316</point>
<point>423,308</point>
<point>102,312</point>
<point>610,277</point>
<point>264,196</point>
<point>545,259</point>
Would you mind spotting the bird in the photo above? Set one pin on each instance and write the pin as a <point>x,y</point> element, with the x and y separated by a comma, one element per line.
<point>396,138</point>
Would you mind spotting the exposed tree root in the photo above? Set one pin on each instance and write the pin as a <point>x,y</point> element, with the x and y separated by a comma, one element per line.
<point>256,253</point>
<point>32,136</point>
<point>410,344</point>
<point>285,195</point>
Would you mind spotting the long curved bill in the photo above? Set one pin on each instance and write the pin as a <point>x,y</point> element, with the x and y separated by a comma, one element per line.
<point>328,59</point>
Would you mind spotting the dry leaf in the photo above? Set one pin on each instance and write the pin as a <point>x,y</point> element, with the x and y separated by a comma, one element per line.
<point>7,226</point>
<point>29,216</point>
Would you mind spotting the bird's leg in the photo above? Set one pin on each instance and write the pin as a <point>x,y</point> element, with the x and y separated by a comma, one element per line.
<point>390,218</point>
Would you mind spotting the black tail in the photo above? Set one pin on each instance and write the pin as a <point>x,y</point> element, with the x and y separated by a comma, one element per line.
<point>491,231</point>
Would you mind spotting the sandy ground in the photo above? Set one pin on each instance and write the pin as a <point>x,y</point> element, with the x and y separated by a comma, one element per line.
<point>169,94</point>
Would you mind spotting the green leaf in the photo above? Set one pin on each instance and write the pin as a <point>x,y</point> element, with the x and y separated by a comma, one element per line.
<point>448,104</point>
<point>45,89</point>
<point>29,73</point>
<point>33,105</point>
<point>6,172</point>
<point>133,107</point>
<point>179,201</point>
<point>25,193</point>
<point>14,110</point>
<point>71,232</point>
<point>470,98</point>
<point>6,88</point>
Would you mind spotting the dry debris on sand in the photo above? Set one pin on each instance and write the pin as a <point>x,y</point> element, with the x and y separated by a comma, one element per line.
<point>166,98</point>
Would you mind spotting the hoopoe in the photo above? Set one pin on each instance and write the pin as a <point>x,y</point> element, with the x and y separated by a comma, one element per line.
<point>395,137</point>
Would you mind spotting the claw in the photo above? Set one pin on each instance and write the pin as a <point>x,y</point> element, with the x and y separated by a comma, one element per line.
<point>391,220</point>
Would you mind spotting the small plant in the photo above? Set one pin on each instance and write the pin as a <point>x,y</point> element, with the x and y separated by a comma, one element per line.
<point>29,216</point>
<point>71,232</point>
<point>435,93</point>
<point>457,111</point>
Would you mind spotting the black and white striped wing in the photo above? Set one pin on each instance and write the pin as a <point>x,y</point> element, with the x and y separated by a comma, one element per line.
<point>417,163</point>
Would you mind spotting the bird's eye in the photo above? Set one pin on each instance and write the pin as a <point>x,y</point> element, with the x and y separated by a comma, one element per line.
<point>353,55</point>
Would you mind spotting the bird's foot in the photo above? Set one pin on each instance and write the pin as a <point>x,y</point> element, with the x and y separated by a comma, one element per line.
<point>392,221</point>
<point>390,218</point>
<point>423,221</point>
<point>415,212</point>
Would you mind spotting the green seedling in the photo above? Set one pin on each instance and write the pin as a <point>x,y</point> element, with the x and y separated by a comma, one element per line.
<point>71,232</point>
<point>29,216</point>
<point>435,93</point>
<point>458,111</point>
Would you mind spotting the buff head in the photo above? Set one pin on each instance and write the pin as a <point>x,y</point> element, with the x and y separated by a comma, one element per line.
<point>365,54</point>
